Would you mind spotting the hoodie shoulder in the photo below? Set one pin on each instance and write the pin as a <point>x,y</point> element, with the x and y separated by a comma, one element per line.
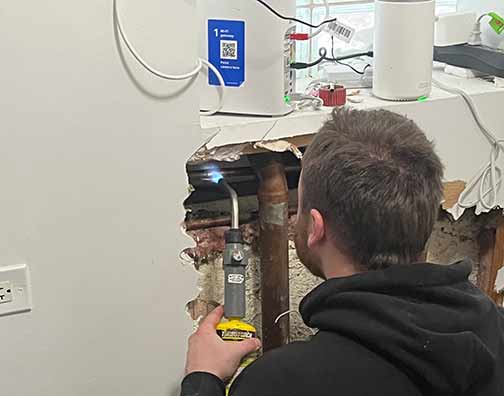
<point>319,367</point>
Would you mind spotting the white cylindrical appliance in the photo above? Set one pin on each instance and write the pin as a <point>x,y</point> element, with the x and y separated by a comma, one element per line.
<point>403,49</point>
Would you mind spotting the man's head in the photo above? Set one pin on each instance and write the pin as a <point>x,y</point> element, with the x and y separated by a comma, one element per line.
<point>370,190</point>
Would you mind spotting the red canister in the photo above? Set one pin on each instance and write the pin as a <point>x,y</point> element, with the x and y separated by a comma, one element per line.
<point>333,95</point>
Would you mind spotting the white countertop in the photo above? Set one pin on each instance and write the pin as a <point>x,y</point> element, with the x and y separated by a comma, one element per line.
<point>230,129</point>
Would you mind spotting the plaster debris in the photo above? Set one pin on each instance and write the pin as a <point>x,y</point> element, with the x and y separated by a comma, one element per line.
<point>200,308</point>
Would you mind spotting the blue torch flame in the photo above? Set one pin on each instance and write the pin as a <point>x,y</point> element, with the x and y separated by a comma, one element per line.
<point>216,176</point>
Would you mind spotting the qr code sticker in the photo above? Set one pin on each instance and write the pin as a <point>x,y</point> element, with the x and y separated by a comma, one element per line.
<point>229,49</point>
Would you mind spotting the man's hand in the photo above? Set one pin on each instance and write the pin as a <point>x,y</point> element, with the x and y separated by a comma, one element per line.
<point>210,354</point>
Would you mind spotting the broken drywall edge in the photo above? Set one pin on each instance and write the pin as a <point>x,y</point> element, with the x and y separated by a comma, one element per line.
<point>277,129</point>
<point>200,308</point>
<point>239,134</point>
<point>229,153</point>
<point>232,153</point>
<point>280,146</point>
<point>457,211</point>
<point>193,308</point>
<point>457,190</point>
<point>209,135</point>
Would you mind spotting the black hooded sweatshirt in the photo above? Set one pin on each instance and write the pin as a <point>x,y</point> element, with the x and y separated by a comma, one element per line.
<point>411,330</point>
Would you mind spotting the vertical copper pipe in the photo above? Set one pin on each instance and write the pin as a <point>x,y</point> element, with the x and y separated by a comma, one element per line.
<point>273,245</point>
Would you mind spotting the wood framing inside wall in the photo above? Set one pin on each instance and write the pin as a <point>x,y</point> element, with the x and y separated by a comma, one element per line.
<point>491,243</point>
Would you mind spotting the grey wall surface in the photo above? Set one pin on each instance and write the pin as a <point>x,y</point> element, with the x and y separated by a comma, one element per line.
<point>92,182</point>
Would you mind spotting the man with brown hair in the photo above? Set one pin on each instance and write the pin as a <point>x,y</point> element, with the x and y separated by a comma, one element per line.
<point>368,198</point>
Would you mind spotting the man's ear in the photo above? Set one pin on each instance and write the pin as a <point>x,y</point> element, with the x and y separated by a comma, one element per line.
<point>316,233</point>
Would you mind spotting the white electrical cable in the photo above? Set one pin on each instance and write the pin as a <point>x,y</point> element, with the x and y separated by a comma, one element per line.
<point>482,16</point>
<point>475,37</point>
<point>490,174</point>
<point>315,85</point>
<point>173,77</point>
<point>302,101</point>
<point>323,27</point>
<point>316,32</point>
<point>221,86</point>
<point>140,60</point>
<point>314,331</point>
<point>282,315</point>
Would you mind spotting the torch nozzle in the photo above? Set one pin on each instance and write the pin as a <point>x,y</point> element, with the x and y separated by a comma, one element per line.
<point>235,210</point>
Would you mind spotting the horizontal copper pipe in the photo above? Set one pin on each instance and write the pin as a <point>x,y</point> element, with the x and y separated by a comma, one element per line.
<point>223,221</point>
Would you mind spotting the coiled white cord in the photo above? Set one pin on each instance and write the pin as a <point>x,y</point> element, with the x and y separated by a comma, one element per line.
<point>490,174</point>
<point>221,86</point>
<point>302,101</point>
<point>173,77</point>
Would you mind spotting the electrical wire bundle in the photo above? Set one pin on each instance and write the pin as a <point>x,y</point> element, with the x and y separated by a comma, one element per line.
<point>347,64</point>
<point>323,57</point>
<point>304,101</point>
<point>490,174</point>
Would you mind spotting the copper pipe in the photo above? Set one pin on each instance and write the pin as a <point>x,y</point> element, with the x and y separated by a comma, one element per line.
<point>223,221</point>
<point>273,245</point>
<point>203,177</point>
<point>201,224</point>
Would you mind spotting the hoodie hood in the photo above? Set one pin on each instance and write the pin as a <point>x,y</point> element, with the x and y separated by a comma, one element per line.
<point>427,320</point>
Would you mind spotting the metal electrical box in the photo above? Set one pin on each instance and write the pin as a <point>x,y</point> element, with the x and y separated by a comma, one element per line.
<point>252,49</point>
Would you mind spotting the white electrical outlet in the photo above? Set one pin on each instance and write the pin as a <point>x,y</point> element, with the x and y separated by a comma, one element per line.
<point>5,292</point>
<point>15,289</point>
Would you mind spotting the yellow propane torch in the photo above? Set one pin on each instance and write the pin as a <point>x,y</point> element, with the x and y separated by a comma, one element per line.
<point>235,264</point>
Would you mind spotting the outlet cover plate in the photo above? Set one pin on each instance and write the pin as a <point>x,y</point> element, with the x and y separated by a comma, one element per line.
<point>15,278</point>
<point>5,292</point>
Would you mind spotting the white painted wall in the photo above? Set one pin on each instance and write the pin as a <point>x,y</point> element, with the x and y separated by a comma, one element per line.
<point>482,6</point>
<point>92,183</point>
